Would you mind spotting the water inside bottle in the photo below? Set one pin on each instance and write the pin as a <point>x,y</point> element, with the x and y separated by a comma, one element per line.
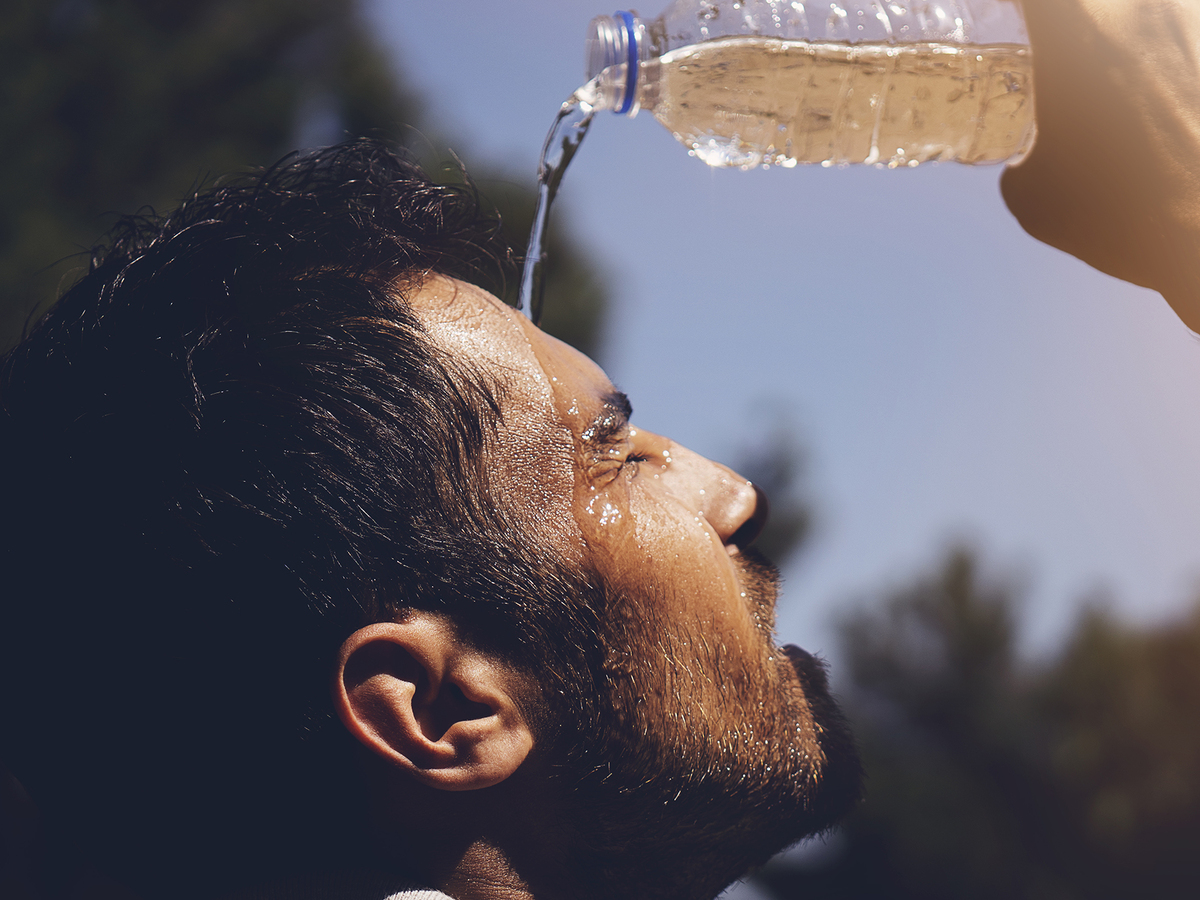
<point>748,101</point>
<point>566,134</point>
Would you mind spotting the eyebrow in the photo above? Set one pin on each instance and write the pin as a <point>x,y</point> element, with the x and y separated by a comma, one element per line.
<point>610,420</point>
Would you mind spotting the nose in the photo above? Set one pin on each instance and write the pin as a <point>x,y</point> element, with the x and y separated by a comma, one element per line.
<point>753,526</point>
<point>734,507</point>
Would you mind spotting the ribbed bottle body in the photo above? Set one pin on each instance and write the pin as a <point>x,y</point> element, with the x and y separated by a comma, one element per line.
<point>881,82</point>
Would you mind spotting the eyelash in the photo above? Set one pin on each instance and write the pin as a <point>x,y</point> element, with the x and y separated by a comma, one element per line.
<point>623,463</point>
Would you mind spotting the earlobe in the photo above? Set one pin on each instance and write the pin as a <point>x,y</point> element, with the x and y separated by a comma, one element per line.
<point>436,708</point>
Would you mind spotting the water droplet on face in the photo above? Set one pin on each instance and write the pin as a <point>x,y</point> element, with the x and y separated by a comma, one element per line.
<point>609,515</point>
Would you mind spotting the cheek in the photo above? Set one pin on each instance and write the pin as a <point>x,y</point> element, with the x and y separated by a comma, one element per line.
<point>533,477</point>
<point>643,536</point>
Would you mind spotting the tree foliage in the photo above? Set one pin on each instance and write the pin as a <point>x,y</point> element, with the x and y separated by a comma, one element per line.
<point>112,105</point>
<point>992,777</point>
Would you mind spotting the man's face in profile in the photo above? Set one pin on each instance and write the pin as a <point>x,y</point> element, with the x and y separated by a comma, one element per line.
<point>715,737</point>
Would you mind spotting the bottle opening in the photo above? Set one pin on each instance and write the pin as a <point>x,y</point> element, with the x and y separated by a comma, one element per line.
<point>613,41</point>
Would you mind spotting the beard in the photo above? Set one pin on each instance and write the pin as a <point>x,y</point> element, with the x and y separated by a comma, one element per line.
<point>704,756</point>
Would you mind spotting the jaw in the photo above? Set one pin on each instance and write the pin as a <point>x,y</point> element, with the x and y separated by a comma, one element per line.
<point>709,779</point>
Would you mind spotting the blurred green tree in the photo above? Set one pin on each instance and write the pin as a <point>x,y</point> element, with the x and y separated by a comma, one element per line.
<point>992,777</point>
<point>111,105</point>
<point>1119,716</point>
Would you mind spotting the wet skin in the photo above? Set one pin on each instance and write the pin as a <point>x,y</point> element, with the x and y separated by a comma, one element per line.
<point>715,744</point>
<point>598,489</point>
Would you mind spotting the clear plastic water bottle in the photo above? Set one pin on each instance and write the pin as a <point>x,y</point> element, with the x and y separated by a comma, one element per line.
<point>779,82</point>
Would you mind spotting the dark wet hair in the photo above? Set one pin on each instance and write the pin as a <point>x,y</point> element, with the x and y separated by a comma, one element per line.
<point>226,447</point>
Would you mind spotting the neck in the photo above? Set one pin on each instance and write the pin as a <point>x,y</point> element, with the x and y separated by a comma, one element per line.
<point>500,843</point>
<point>480,871</point>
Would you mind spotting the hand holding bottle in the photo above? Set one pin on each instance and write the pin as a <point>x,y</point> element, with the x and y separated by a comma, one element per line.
<point>1114,177</point>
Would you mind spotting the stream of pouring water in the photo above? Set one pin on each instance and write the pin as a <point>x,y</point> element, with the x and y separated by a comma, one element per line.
<point>566,134</point>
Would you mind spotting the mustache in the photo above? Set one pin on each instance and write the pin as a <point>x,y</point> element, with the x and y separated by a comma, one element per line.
<point>760,579</point>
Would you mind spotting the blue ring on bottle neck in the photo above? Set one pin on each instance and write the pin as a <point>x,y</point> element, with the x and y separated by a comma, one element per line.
<point>631,65</point>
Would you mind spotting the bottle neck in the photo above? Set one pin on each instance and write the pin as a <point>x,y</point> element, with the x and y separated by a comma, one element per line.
<point>616,47</point>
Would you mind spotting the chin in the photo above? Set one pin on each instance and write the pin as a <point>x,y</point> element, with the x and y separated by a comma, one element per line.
<point>706,765</point>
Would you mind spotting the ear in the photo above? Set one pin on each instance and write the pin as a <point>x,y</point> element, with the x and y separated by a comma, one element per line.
<point>440,710</point>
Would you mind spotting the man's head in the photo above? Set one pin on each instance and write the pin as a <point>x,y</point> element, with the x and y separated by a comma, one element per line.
<point>267,446</point>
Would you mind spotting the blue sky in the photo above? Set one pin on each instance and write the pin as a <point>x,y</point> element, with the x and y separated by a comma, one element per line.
<point>949,375</point>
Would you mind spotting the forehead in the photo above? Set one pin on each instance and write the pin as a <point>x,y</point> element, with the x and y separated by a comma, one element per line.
<point>472,325</point>
<point>546,390</point>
